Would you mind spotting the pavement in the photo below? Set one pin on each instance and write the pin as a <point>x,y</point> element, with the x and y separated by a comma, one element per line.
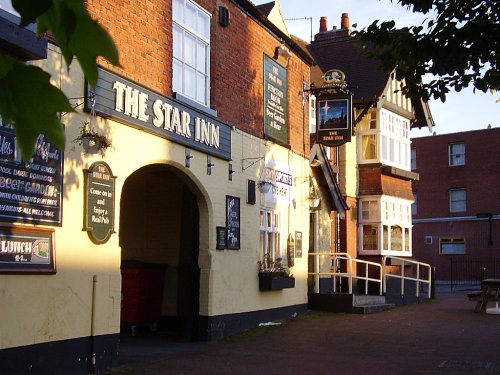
<point>444,336</point>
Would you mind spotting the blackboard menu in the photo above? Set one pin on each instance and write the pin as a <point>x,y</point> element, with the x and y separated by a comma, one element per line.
<point>30,192</point>
<point>99,202</point>
<point>232,222</point>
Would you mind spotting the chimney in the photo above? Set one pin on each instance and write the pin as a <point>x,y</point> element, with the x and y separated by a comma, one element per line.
<point>344,21</point>
<point>323,24</point>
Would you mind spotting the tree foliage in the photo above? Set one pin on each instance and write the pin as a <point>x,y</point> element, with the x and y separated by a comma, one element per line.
<point>459,47</point>
<point>28,101</point>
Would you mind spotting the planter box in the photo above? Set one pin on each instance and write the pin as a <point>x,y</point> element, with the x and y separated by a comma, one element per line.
<point>268,282</point>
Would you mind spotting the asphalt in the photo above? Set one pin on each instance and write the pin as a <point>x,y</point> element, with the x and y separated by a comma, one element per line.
<point>444,336</point>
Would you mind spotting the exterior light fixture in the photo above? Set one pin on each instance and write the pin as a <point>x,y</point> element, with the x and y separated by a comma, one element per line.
<point>282,50</point>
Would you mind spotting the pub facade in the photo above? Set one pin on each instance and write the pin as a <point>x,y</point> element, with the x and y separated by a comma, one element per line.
<point>181,201</point>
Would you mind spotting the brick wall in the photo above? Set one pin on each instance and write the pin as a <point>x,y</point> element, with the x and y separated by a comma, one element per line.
<point>480,176</point>
<point>143,34</point>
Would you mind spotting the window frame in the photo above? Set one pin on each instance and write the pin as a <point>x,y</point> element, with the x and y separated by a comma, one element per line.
<point>270,232</point>
<point>186,32</point>
<point>453,155</point>
<point>387,135</point>
<point>452,241</point>
<point>454,202</point>
<point>393,216</point>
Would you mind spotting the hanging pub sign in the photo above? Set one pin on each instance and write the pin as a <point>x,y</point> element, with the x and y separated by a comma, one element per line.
<point>334,110</point>
<point>334,119</point>
<point>275,101</point>
<point>30,192</point>
<point>26,250</point>
<point>99,216</point>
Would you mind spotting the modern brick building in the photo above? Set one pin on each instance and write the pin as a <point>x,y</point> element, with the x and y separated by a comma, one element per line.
<point>456,213</point>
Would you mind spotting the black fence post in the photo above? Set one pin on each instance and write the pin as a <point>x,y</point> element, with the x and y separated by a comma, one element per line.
<point>451,273</point>
<point>433,283</point>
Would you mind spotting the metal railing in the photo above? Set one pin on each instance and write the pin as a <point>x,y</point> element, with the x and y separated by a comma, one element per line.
<point>348,274</point>
<point>420,269</point>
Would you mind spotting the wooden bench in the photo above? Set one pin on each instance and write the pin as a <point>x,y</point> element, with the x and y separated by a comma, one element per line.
<point>490,290</point>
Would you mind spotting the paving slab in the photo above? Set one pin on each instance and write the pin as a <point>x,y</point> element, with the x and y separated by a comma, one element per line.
<point>444,336</point>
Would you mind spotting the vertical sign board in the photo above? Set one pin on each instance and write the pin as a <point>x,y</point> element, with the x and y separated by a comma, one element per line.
<point>275,101</point>
<point>30,192</point>
<point>232,222</point>
<point>334,122</point>
<point>99,215</point>
<point>26,250</point>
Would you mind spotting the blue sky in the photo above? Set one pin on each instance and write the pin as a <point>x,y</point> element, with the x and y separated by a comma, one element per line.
<point>461,112</point>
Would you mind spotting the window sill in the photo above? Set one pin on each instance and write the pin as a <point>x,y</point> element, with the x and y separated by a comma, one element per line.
<point>195,105</point>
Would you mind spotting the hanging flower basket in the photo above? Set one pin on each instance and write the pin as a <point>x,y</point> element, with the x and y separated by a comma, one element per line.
<point>91,141</point>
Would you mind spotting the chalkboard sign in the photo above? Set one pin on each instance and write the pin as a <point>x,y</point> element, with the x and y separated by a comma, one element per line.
<point>99,202</point>
<point>30,192</point>
<point>221,238</point>
<point>232,223</point>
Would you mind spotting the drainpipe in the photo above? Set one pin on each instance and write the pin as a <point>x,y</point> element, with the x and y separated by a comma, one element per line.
<point>92,326</point>
<point>316,250</point>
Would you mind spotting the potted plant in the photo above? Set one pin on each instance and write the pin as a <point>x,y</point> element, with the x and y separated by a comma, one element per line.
<point>91,141</point>
<point>273,275</point>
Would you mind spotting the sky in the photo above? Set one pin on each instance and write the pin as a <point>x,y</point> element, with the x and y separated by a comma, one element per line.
<point>462,111</point>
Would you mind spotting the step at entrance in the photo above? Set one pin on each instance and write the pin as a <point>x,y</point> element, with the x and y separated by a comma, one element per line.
<point>348,303</point>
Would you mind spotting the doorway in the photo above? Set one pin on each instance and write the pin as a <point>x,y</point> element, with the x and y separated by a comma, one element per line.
<point>159,240</point>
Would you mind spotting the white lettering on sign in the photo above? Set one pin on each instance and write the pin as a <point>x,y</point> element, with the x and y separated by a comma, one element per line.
<point>131,102</point>
<point>16,247</point>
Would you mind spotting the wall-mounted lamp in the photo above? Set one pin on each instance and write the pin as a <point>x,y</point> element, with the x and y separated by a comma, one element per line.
<point>188,158</point>
<point>313,197</point>
<point>282,50</point>
<point>230,172</point>
<point>209,165</point>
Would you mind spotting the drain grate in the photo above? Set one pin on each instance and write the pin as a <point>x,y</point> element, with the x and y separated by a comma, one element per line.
<point>465,364</point>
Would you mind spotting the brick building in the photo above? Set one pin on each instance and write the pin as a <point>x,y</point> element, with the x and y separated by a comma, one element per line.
<point>457,199</point>
<point>208,174</point>
<point>374,166</point>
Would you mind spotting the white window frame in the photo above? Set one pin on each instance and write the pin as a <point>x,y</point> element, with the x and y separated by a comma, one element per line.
<point>270,235</point>
<point>384,215</point>
<point>197,30</point>
<point>388,135</point>
<point>456,154</point>
<point>312,113</point>
<point>458,200</point>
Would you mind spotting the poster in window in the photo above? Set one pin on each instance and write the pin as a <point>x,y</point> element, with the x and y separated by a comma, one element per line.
<point>232,223</point>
